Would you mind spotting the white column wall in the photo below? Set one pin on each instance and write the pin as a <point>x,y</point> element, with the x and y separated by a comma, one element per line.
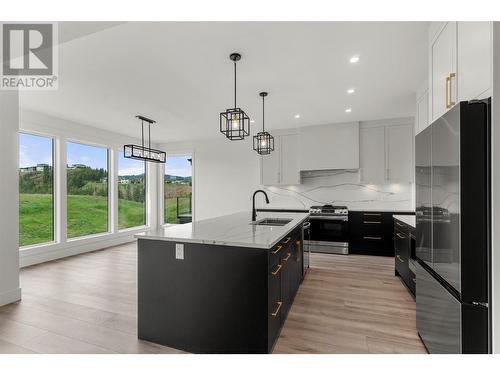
<point>9,198</point>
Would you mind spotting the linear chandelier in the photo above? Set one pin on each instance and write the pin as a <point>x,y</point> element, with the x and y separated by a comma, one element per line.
<point>141,152</point>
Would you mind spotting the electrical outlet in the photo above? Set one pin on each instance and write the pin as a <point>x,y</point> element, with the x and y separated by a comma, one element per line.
<point>179,251</point>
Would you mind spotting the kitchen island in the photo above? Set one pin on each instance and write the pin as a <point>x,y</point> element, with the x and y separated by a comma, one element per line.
<point>221,285</point>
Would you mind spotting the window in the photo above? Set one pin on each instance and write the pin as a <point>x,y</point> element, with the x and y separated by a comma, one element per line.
<point>87,187</point>
<point>178,189</point>
<point>36,189</point>
<point>131,192</point>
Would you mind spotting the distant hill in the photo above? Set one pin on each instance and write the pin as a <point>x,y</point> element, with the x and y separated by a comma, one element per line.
<point>170,178</point>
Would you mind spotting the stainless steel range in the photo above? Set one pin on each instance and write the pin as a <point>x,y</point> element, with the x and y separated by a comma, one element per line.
<point>329,229</point>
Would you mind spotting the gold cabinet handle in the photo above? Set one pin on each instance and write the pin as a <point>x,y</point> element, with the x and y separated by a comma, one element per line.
<point>287,256</point>
<point>371,214</point>
<point>277,270</point>
<point>372,238</point>
<point>400,259</point>
<point>452,75</point>
<point>446,85</point>
<point>287,240</point>
<point>400,235</point>
<point>371,222</point>
<point>449,103</point>
<point>277,309</point>
<point>278,248</point>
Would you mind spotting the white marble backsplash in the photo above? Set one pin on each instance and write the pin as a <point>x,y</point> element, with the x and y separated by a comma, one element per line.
<point>340,187</point>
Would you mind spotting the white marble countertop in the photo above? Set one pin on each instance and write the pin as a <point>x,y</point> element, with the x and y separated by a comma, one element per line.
<point>231,230</point>
<point>407,219</point>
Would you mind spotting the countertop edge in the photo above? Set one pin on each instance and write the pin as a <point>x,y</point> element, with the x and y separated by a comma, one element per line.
<point>145,236</point>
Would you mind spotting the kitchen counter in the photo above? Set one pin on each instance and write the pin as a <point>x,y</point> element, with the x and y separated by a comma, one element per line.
<point>230,230</point>
<point>407,219</point>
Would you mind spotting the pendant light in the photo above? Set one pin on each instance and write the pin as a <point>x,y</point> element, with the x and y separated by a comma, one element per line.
<point>141,152</point>
<point>234,123</point>
<point>263,142</point>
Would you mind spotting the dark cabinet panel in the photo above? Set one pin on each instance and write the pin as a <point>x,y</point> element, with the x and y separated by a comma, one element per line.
<point>403,242</point>
<point>371,233</point>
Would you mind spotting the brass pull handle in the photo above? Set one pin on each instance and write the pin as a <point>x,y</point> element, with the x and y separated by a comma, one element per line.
<point>449,103</point>
<point>400,235</point>
<point>278,248</point>
<point>400,259</point>
<point>452,75</point>
<point>287,240</point>
<point>287,256</point>
<point>372,238</point>
<point>446,85</point>
<point>371,222</point>
<point>277,270</point>
<point>277,309</point>
<point>371,214</point>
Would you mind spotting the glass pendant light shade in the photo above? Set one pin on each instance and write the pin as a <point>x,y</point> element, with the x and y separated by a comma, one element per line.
<point>234,122</point>
<point>263,142</point>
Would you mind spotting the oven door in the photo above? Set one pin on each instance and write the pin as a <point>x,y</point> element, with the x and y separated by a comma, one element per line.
<point>329,235</point>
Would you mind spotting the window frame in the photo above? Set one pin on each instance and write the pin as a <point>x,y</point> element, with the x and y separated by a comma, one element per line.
<point>110,203</point>
<point>55,204</point>
<point>162,221</point>
<point>146,196</point>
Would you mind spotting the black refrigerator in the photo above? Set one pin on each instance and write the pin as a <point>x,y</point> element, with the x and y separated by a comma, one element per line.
<point>453,239</point>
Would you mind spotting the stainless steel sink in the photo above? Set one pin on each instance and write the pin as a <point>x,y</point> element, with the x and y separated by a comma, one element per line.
<point>277,222</point>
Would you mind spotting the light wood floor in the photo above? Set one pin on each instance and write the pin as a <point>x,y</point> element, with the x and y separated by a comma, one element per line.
<point>88,303</point>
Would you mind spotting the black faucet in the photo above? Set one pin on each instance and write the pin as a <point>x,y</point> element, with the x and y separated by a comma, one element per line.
<point>254,213</point>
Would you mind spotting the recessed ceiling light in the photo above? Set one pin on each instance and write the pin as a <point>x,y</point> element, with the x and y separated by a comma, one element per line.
<point>348,110</point>
<point>297,116</point>
<point>350,91</point>
<point>354,59</point>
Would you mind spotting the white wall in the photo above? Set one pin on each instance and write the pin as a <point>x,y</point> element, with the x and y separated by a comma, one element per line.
<point>65,130</point>
<point>9,196</point>
<point>495,189</point>
<point>225,175</point>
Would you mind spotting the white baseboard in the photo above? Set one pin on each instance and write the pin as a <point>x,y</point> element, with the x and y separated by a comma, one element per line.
<point>57,251</point>
<point>9,297</point>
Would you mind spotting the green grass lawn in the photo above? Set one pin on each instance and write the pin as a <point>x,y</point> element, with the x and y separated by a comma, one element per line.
<point>86,215</point>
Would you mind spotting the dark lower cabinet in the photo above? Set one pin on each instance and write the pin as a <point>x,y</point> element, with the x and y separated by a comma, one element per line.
<point>403,247</point>
<point>285,277</point>
<point>217,299</point>
<point>372,233</point>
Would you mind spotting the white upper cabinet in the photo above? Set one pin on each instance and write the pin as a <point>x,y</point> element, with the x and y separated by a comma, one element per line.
<point>386,154</point>
<point>460,64</point>
<point>400,166</point>
<point>474,60</point>
<point>290,173</point>
<point>329,147</point>
<point>443,69</point>
<point>281,167</point>
<point>422,109</point>
<point>372,155</point>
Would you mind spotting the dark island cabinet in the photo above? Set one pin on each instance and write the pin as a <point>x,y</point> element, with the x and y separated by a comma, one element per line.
<point>284,278</point>
<point>372,233</point>
<point>217,298</point>
<point>404,247</point>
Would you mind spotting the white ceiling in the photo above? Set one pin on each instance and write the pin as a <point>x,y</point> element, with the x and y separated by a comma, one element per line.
<point>180,74</point>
